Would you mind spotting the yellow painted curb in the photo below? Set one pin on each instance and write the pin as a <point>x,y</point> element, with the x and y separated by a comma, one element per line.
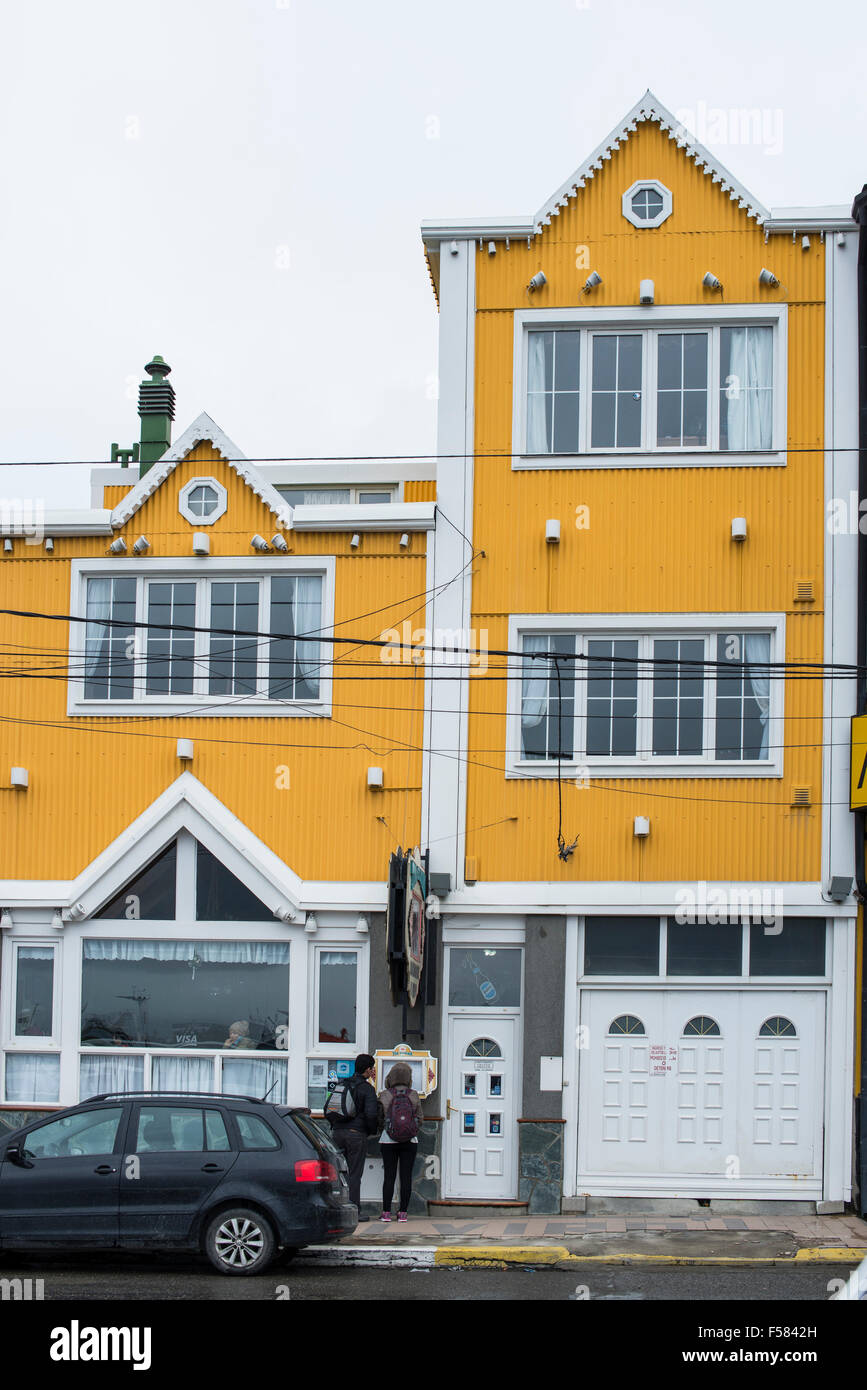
<point>833,1254</point>
<point>500,1254</point>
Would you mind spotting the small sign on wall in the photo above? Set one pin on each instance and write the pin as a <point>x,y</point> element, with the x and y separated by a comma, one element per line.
<point>550,1073</point>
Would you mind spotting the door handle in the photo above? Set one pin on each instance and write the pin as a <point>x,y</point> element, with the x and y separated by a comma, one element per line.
<point>449,1109</point>
<point>212,1168</point>
<point>104,1168</point>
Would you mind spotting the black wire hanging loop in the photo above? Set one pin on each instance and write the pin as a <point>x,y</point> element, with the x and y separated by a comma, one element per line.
<point>563,850</point>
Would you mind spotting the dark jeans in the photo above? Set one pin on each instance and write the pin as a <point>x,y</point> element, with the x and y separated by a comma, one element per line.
<point>353,1143</point>
<point>392,1155</point>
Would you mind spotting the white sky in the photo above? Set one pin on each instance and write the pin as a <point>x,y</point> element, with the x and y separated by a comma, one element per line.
<point>162,161</point>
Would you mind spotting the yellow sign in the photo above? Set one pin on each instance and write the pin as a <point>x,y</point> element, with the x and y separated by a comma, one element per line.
<point>858,773</point>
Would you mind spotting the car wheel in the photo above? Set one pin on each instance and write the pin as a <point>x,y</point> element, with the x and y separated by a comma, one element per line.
<point>239,1241</point>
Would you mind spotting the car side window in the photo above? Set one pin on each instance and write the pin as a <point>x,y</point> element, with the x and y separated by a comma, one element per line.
<point>255,1134</point>
<point>216,1134</point>
<point>93,1132</point>
<point>170,1129</point>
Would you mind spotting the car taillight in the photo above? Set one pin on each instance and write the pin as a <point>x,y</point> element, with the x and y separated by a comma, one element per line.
<point>314,1170</point>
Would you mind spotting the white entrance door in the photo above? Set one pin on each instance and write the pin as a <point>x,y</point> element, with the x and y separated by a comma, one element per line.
<point>481,1138</point>
<point>701,1091</point>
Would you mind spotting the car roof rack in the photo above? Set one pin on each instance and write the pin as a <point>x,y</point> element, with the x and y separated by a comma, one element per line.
<point>211,1095</point>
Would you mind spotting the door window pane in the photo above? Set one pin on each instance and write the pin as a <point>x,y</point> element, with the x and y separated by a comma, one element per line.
<point>616,390</point>
<point>109,655</point>
<point>150,895</point>
<point>681,399</point>
<point>742,695</point>
<point>32,1077</point>
<point>548,703</point>
<point>170,664</point>
<point>233,658</point>
<point>704,948</point>
<point>482,978</point>
<point>34,995</point>
<point>797,949</point>
<point>612,697</point>
<point>338,975</point>
<point>91,1132</point>
<point>678,697</point>
<point>621,946</point>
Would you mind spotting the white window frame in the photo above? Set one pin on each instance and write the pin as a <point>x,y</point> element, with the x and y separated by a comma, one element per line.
<point>661,216</point>
<point>683,318</point>
<point>315,1048</point>
<point>184,502</point>
<point>199,702</point>
<point>641,625</point>
<point>353,489</point>
<point>21,1042</point>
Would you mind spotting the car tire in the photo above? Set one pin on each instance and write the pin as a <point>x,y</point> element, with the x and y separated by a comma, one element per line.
<point>287,1254</point>
<point>240,1241</point>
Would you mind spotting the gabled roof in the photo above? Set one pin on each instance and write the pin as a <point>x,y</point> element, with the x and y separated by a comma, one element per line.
<point>650,109</point>
<point>202,429</point>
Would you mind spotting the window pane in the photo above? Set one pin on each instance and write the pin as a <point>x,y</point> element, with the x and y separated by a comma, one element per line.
<point>294,664</point>
<point>255,1133</point>
<point>746,387</point>
<point>485,978</point>
<point>221,897</point>
<point>678,697</point>
<point>102,1075</point>
<point>621,946</point>
<point>315,496</point>
<point>704,948</point>
<point>681,402</point>
<point>566,422</point>
<point>109,664</point>
<point>611,722</point>
<point>368,499</point>
<point>184,994</point>
<point>540,409</point>
<point>216,1134</point>
<point>151,894</point>
<point>34,992</point>
<point>743,695</point>
<point>32,1077</point>
<point>233,658</point>
<point>182,1074</point>
<point>170,1129</point>
<point>628,420</point>
<point>629,363</point>
<point>170,654</point>
<point>251,1077</point>
<point>548,705</point>
<point>338,974</point>
<point>91,1132</point>
<point>566,360</point>
<point>604,363</point>
<point>799,949</point>
<point>616,406</point>
<point>602,424</point>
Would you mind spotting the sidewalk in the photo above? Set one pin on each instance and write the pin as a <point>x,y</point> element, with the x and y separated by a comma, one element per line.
<point>561,1241</point>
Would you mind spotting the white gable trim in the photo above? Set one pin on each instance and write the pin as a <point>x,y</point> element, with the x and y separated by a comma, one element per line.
<point>650,109</point>
<point>201,429</point>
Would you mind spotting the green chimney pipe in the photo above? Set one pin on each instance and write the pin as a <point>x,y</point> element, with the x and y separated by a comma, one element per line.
<point>156,406</point>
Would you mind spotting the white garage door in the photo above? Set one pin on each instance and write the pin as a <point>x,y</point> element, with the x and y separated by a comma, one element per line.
<point>713,1093</point>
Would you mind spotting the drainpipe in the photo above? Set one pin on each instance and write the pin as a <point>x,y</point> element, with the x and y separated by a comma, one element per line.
<point>859,214</point>
<point>156,407</point>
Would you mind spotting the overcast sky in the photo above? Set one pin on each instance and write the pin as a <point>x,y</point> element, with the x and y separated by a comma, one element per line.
<point>238,185</point>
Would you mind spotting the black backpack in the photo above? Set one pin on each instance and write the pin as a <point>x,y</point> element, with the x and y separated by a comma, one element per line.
<point>340,1105</point>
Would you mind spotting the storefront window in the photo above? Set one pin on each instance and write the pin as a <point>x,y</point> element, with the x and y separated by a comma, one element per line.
<point>184,994</point>
<point>621,946</point>
<point>481,978</point>
<point>338,974</point>
<point>32,1077</point>
<point>34,995</point>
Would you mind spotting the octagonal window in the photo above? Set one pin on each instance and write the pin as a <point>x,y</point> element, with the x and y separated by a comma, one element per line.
<point>647,203</point>
<point>202,500</point>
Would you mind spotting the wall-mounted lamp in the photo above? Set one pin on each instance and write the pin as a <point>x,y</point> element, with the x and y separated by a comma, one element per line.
<point>259,543</point>
<point>49,545</point>
<point>739,528</point>
<point>374,779</point>
<point>805,243</point>
<point>19,777</point>
<point>201,543</point>
<point>57,921</point>
<point>118,547</point>
<point>362,925</point>
<point>538,280</point>
<point>767,277</point>
<point>710,281</point>
<point>453,248</point>
<point>141,546</point>
<point>492,248</point>
<point>646,292</point>
<point>641,827</point>
<point>593,279</point>
<point>279,543</point>
<point>404,540</point>
<point>8,546</point>
<point>355,541</point>
<point>311,925</point>
<point>5,920</point>
<point>185,750</point>
<point>552,531</point>
<point>841,239</point>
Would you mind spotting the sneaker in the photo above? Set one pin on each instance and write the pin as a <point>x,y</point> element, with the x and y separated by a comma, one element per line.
<point>401,1216</point>
<point>386,1216</point>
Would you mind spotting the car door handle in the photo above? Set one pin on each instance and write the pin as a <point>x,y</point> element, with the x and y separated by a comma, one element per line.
<point>104,1168</point>
<point>212,1168</point>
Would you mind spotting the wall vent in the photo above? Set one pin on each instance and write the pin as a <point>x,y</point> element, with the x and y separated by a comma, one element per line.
<point>804,591</point>
<point>801,796</point>
<point>471,868</point>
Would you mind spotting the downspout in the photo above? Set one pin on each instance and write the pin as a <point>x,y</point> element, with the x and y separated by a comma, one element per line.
<point>859,214</point>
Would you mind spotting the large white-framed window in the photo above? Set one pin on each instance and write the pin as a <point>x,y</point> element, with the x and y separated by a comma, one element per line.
<point>655,386</point>
<point>646,695</point>
<point>338,1019</point>
<point>366,495</point>
<point>31,1022</point>
<point>232,638</point>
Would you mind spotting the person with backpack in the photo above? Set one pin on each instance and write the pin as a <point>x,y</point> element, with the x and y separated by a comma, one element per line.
<point>401,1108</point>
<point>352,1111</point>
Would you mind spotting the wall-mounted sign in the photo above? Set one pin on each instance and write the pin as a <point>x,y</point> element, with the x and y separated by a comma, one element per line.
<point>858,767</point>
<point>414,929</point>
<point>422,1065</point>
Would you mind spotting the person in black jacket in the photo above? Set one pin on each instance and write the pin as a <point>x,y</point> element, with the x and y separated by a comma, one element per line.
<point>351,1135</point>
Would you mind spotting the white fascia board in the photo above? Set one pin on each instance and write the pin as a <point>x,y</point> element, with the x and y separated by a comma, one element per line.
<point>391,516</point>
<point>64,522</point>
<point>807,219</point>
<point>437,229</point>
<point>613,898</point>
<point>309,473</point>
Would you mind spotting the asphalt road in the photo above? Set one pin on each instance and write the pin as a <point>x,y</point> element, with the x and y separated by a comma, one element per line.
<point>173,1280</point>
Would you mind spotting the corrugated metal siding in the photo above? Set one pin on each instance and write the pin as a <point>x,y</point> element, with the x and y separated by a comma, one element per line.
<point>420,492</point>
<point>86,787</point>
<point>658,541</point>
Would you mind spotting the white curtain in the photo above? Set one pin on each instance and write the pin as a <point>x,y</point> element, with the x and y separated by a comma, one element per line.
<point>757,648</point>
<point>98,610</point>
<point>32,1077</point>
<point>308,611</point>
<point>182,1074</point>
<point>205,952</point>
<point>36,953</point>
<point>537,426</point>
<point>338,957</point>
<point>534,698</point>
<point>748,402</point>
<point>110,1073</point>
<point>255,1077</point>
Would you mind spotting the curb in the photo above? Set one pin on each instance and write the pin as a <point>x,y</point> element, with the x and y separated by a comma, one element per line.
<point>550,1256</point>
